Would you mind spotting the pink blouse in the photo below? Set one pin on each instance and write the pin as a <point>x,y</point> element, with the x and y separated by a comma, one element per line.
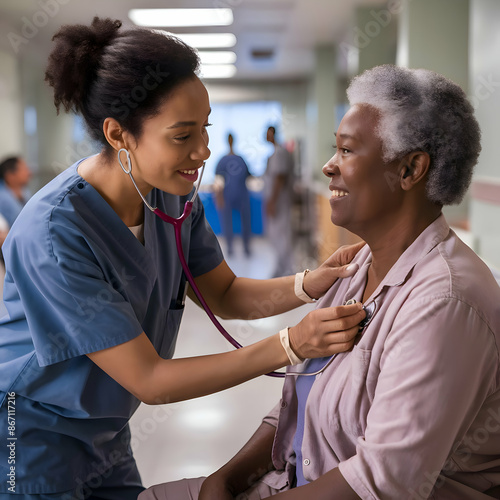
<point>413,411</point>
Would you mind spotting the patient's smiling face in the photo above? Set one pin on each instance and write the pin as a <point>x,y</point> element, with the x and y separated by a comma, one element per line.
<point>365,189</point>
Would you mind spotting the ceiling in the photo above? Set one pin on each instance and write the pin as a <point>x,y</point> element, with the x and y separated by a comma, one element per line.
<point>290,29</point>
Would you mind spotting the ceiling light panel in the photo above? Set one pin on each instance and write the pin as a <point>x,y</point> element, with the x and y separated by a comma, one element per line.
<point>181,17</point>
<point>217,71</point>
<point>208,40</point>
<point>217,57</point>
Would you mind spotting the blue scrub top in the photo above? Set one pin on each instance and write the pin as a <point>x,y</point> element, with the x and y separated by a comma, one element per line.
<point>79,281</point>
<point>235,172</point>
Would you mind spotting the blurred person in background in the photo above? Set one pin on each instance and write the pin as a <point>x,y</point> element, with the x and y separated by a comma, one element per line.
<point>235,196</point>
<point>277,198</point>
<point>14,179</point>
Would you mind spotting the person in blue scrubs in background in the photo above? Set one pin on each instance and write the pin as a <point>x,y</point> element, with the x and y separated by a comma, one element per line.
<point>14,178</point>
<point>234,170</point>
<point>94,289</point>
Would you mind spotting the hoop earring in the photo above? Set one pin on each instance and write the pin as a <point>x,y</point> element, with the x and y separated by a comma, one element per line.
<point>129,163</point>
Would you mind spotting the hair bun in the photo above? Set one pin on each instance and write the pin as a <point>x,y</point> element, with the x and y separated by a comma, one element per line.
<point>75,59</point>
<point>100,34</point>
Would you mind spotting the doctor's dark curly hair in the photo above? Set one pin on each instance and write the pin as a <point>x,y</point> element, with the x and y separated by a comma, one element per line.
<point>104,71</point>
<point>423,111</point>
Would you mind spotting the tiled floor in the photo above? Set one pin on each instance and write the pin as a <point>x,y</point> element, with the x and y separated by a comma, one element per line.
<point>196,437</point>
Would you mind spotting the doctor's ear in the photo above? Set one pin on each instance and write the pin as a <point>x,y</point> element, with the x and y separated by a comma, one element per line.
<point>115,135</point>
<point>414,169</point>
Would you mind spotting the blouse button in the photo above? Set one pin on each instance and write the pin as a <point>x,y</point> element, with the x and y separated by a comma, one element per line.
<point>306,461</point>
<point>80,185</point>
<point>284,404</point>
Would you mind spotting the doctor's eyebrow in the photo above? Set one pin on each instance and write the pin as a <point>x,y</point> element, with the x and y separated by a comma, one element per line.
<point>186,123</point>
<point>182,124</point>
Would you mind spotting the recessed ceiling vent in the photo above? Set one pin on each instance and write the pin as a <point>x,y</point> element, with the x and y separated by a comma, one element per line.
<point>262,54</point>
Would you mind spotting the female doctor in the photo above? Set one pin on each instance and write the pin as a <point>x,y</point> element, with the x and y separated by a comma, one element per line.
<point>94,288</point>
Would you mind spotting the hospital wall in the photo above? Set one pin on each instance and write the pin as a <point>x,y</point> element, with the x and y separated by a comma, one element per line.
<point>11,136</point>
<point>485,95</point>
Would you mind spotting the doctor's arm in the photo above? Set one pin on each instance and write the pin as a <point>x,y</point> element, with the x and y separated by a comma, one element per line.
<point>231,297</point>
<point>137,367</point>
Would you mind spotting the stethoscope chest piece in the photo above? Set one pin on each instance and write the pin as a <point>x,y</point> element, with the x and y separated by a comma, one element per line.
<point>369,309</point>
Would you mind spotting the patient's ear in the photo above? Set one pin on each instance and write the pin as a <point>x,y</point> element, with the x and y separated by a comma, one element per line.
<point>414,169</point>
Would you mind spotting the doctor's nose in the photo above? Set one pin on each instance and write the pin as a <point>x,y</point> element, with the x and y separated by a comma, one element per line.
<point>201,152</point>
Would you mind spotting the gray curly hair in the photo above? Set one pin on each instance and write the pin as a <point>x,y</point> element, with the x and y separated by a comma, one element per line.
<point>421,110</point>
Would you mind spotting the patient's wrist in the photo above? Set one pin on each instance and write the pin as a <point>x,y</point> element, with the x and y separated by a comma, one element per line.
<point>224,480</point>
<point>215,485</point>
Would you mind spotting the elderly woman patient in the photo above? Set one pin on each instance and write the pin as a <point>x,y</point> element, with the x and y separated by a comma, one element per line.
<point>413,410</point>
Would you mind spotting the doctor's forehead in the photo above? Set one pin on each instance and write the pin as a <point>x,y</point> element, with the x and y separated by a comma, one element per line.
<point>187,105</point>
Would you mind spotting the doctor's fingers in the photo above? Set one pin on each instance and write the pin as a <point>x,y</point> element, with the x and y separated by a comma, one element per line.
<point>311,337</point>
<point>336,342</point>
<point>331,319</point>
<point>339,312</point>
<point>336,320</point>
<point>346,253</point>
<point>323,343</point>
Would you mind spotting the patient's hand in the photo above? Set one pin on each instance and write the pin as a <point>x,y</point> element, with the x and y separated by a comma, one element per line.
<point>317,282</point>
<point>324,332</point>
<point>214,488</point>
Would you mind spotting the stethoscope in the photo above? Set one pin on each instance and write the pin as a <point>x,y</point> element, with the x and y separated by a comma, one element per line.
<point>177,225</point>
<point>369,309</point>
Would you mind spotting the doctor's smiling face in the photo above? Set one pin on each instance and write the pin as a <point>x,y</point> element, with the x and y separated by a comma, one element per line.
<point>362,196</point>
<point>173,144</point>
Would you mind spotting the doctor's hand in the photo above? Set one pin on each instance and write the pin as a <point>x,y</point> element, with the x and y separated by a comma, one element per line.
<point>318,282</point>
<point>324,332</point>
